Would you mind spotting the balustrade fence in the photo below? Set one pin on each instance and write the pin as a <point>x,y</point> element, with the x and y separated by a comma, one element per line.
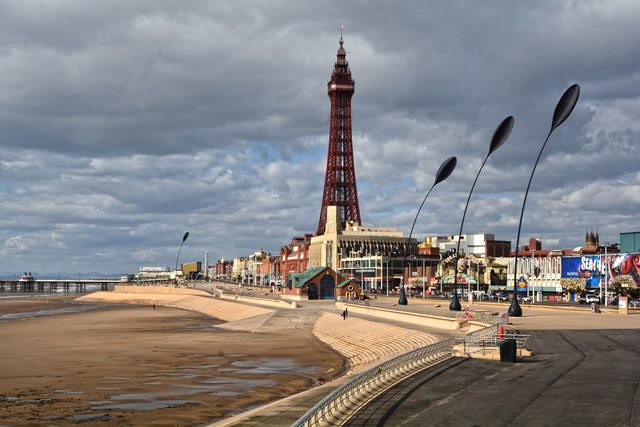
<point>374,381</point>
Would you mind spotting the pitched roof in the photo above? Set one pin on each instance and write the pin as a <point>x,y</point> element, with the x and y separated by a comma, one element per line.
<point>301,279</point>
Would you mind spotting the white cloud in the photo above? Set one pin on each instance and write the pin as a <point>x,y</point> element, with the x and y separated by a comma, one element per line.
<point>125,125</point>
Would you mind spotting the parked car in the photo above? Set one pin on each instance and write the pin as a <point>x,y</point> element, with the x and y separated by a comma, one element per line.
<point>591,298</point>
<point>493,297</point>
<point>582,298</point>
<point>614,302</point>
<point>526,299</point>
<point>503,297</point>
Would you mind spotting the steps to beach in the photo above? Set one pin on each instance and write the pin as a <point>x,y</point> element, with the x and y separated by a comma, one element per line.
<point>363,342</point>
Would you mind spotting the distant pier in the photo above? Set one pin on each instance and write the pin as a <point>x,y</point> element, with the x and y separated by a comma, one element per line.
<point>51,285</point>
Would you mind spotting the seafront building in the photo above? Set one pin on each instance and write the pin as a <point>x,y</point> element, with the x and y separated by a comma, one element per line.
<point>373,257</point>
<point>381,259</point>
<point>294,257</point>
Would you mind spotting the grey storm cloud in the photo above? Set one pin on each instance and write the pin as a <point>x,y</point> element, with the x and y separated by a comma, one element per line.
<point>124,124</point>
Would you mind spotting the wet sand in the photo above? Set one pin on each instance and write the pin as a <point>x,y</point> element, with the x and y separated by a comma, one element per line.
<point>133,365</point>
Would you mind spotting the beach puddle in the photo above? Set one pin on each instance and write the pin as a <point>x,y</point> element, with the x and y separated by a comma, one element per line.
<point>51,418</point>
<point>89,417</point>
<point>199,367</point>
<point>144,406</point>
<point>271,365</point>
<point>31,314</point>
<point>225,393</point>
<point>17,401</point>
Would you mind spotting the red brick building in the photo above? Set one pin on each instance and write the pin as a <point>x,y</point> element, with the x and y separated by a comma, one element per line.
<point>497,248</point>
<point>223,269</point>
<point>294,258</point>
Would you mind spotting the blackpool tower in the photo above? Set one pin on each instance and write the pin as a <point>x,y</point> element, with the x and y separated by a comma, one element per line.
<point>340,180</point>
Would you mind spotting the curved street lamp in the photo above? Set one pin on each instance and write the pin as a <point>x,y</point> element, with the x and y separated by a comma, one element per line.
<point>499,137</point>
<point>561,113</point>
<point>446,168</point>
<point>186,235</point>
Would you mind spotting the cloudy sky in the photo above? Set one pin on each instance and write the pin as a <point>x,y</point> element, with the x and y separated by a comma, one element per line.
<point>124,124</point>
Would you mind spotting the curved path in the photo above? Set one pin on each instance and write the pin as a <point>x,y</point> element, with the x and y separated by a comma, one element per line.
<point>585,371</point>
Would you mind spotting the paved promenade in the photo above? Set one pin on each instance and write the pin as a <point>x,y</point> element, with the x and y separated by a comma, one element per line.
<point>585,370</point>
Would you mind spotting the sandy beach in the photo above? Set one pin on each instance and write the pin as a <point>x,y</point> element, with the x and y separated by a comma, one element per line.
<point>136,365</point>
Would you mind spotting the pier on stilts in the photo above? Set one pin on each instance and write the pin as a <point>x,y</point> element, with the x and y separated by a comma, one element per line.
<point>59,285</point>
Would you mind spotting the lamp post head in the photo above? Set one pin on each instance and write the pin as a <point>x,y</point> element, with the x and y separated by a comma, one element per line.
<point>185,237</point>
<point>565,106</point>
<point>501,134</point>
<point>446,168</point>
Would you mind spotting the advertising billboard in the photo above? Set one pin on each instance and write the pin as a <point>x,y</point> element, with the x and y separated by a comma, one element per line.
<point>595,268</point>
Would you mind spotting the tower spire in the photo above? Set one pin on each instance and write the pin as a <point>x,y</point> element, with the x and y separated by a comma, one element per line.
<point>340,179</point>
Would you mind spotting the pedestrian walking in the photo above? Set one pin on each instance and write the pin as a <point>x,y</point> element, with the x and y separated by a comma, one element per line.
<point>346,313</point>
<point>154,306</point>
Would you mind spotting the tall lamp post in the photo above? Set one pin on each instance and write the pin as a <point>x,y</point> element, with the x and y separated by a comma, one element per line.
<point>185,237</point>
<point>561,113</point>
<point>499,137</point>
<point>446,168</point>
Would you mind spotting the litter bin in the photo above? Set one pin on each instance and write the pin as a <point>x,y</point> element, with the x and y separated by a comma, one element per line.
<point>508,349</point>
<point>595,307</point>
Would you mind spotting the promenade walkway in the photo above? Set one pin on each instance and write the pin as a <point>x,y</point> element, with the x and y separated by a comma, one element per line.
<point>585,370</point>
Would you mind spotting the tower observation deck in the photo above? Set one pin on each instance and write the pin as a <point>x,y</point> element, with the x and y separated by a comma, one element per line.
<point>340,180</point>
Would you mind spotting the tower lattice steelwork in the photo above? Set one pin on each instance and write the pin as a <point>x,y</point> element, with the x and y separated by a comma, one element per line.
<point>340,180</point>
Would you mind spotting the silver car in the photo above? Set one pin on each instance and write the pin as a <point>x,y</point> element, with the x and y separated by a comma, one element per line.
<point>591,298</point>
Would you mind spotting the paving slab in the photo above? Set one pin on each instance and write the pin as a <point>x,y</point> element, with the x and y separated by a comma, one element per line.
<point>585,374</point>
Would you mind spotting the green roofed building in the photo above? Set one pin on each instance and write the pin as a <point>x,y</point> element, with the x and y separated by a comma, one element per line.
<point>319,283</point>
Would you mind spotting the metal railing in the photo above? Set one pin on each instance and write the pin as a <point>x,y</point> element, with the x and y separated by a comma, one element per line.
<point>483,317</point>
<point>373,381</point>
<point>494,340</point>
<point>488,339</point>
<point>370,382</point>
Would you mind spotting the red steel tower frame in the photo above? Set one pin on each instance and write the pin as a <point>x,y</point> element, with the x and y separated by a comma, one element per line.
<point>340,180</point>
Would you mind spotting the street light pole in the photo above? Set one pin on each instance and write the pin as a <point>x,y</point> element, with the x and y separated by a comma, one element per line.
<point>532,271</point>
<point>423,287</point>
<point>499,137</point>
<point>606,275</point>
<point>563,110</point>
<point>387,277</point>
<point>186,235</point>
<point>446,168</point>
